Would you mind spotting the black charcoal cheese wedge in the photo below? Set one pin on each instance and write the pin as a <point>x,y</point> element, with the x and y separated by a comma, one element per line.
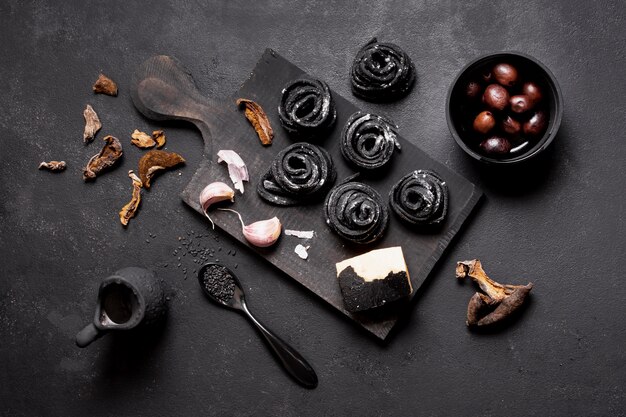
<point>374,279</point>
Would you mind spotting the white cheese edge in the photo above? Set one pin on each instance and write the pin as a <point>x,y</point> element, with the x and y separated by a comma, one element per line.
<point>376,264</point>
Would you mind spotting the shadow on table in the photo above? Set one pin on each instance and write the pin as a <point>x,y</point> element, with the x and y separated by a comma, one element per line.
<point>129,358</point>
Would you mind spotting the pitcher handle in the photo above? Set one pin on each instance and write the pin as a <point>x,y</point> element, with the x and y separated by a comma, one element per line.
<point>87,335</point>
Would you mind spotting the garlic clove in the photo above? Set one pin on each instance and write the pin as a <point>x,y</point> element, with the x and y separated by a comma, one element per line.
<point>263,233</point>
<point>214,193</point>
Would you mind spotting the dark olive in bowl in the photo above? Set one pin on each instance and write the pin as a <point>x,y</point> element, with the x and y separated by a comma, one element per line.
<point>532,130</point>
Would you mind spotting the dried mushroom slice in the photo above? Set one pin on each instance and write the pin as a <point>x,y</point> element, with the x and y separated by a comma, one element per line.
<point>106,158</point>
<point>129,210</point>
<point>142,140</point>
<point>105,85</point>
<point>92,124</point>
<point>497,303</point>
<point>54,166</point>
<point>159,137</point>
<point>154,161</point>
<point>258,119</point>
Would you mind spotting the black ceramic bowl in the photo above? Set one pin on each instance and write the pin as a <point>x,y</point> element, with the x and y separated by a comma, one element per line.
<point>460,113</point>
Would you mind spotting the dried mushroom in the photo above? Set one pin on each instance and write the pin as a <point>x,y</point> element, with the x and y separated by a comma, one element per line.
<point>54,166</point>
<point>105,85</point>
<point>154,161</point>
<point>159,137</point>
<point>258,119</point>
<point>498,301</point>
<point>129,210</point>
<point>142,140</point>
<point>92,124</point>
<point>106,158</point>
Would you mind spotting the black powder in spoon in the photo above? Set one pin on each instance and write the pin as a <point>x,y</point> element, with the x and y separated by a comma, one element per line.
<point>219,282</point>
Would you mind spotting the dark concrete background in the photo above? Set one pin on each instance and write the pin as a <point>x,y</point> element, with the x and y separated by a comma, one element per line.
<point>558,222</point>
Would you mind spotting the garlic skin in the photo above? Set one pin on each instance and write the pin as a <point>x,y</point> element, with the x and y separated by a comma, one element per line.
<point>301,251</point>
<point>261,234</point>
<point>301,234</point>
<point>237,169</point>
<point>214,193</point>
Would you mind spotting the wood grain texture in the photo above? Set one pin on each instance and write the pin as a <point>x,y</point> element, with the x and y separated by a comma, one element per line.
<point>163,89</point>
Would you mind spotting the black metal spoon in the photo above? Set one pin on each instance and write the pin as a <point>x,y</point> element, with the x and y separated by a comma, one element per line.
<point>234,298</point>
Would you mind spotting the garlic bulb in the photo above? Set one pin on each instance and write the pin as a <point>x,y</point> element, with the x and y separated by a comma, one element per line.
<point>214,193</point>
<point>263,233</point>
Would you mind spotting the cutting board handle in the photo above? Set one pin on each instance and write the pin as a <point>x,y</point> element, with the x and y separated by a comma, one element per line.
<point>163,89</point>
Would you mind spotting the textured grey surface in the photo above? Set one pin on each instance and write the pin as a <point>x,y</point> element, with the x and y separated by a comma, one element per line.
<point>558,223</point>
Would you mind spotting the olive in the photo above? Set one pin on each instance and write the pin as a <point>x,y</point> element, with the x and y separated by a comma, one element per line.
<point>484,122</point>
<point>473,90</point>
<point>511,126</point>
<point>536,125</point>
<point>520,104</point>
<point>532,91</point>
<point>505,74</point>
<point>495,145</point>
<point>496,97</point>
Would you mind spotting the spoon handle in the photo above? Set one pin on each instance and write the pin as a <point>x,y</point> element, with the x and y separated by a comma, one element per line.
<point>293,362</point>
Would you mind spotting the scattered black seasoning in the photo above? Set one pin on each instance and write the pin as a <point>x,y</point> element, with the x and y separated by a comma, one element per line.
<point>219,283</point>
<point>200,251</point>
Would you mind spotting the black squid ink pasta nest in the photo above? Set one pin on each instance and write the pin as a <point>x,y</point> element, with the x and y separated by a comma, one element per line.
<point>300,173</point>
<point>368,140</point>
<point>382,72</point>
<point>355,211</point>
<point>307,109</point>
<point>420,198</point>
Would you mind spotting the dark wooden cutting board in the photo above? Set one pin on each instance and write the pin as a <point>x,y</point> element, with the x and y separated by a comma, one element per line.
<point>163,89</point>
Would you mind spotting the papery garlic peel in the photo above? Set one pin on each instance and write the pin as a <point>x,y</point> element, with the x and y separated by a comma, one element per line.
<point>237,169</point>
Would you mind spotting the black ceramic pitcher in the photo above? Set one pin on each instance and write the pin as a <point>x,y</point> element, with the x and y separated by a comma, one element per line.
<point>130,297</point>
